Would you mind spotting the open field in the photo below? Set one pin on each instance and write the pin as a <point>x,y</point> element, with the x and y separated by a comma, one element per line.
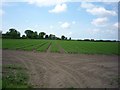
<point>81,47</point>
<point>67,44</point>
<point>56,70</point>
<point>59,64</point>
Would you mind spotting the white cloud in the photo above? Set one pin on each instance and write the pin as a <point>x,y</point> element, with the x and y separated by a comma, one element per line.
<point>115,26</point>
<point>97,10</point>
<point>65,25</point>
<point>63,0</point>
<point>41,3</point>
<point>59,4</point>
<point>59,8</point>
<point>100,21</point>
<point>87,5</point>
<point>101,11</point>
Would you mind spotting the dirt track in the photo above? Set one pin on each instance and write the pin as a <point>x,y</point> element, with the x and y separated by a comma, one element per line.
<point>55,70</point>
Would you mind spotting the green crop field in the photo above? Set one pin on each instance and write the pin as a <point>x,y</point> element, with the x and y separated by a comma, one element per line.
<point>81,47</point>
<point>90,47</point>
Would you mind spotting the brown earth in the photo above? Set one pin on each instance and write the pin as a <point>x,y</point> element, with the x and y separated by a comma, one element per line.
<point>56,70</point>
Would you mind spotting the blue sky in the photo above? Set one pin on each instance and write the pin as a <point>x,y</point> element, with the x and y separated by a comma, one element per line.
<point>78,20</point>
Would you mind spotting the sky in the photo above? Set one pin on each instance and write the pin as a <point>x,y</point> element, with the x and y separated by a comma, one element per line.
<point>78,20</point>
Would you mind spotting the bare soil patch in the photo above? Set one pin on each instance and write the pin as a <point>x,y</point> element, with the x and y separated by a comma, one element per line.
<point>55,70</point>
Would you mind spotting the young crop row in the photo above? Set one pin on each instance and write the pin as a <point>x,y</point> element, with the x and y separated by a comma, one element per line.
<point>44,47</point>
<point>90,47</point>
<point>83,47</point>
<point>34,47</point>
<point>15,44</point>
<point>39,45</point>
<point>54,47</point>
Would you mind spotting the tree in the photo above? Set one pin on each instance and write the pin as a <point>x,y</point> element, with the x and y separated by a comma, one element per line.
<point>35,35</point>
<point>86,39</point>
<point>13,33</point>
<point>92,39</point>
<point>23,37</point>
<point>0,33</point>
<point>62,37</point>
<point>58,38</point>
<point>29,34</point>
<point>51,36</point>
<point>41,35</point>
<point>46,36</point>
<point>70,38</point>
<point>65,38</point>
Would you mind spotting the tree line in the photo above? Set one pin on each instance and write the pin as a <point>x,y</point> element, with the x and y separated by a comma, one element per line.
<point>29,34</point>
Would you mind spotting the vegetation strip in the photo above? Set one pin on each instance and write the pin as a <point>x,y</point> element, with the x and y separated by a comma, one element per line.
<point>79,47</point>
<point>43,48</point>
<point>54,47</point>
<point>40,45</point>
<point>14,76</point>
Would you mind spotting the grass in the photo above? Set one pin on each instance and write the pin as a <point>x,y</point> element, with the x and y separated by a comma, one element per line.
<point>115,80</point>
<point>15,76</point>
<point>14,66</point>
<point>0,83</point>
<point>81,47</point>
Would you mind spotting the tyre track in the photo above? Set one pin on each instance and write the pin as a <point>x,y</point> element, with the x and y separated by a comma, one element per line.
<point>48,70</point>
<point>35,79</point>
<point>58,72</point>
<point>55,74</point>
<point>92,74</point>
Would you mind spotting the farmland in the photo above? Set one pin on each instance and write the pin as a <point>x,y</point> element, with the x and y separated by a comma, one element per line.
<point>34,63</point>
<point>28,69</point>
<point>59,46</point>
